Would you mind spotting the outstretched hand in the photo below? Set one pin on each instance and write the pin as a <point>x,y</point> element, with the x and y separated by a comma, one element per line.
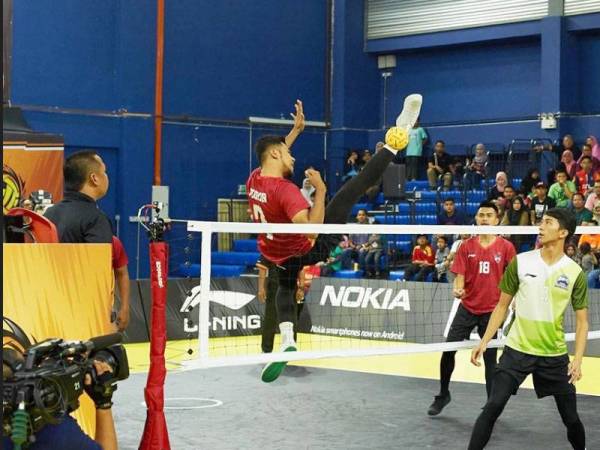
<point>299,116</point>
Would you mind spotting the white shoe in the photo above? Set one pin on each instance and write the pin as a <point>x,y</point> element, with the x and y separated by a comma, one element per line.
<point>410,112</point>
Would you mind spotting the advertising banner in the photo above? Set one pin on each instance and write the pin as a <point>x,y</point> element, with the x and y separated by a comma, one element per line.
<point>31,162</point>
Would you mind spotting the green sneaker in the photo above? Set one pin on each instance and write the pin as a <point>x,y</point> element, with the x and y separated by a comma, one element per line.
<point>272,370</point>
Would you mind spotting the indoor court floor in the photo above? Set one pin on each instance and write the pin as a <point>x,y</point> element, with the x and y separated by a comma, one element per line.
<point>350,403</point>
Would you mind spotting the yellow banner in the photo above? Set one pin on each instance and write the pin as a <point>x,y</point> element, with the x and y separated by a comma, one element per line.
<point>60,291</point>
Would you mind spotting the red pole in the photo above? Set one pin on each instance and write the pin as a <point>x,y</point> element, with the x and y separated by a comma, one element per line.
<point>158,88</point>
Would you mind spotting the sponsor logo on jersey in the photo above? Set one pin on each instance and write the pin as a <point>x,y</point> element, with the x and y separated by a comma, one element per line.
<point>471,255</point>
<point>562,282</point>
<point>361,297</point>
<point>497,258</point>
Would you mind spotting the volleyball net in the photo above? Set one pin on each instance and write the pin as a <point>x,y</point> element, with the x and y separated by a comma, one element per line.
<point>360,300</point>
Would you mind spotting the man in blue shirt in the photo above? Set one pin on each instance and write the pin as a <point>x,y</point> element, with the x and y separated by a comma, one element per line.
<point>450,216</point>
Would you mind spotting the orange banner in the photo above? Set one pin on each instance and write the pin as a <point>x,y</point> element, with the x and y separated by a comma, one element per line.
<point>29,168</point>
<point>60,291</point>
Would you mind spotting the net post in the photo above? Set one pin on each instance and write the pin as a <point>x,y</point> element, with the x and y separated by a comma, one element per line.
<point>204,306</point>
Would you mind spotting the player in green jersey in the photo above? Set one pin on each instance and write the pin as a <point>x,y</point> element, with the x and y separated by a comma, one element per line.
<point>542,283</point>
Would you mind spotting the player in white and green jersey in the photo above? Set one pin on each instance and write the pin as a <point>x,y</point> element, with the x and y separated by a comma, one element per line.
<point>542,284</point>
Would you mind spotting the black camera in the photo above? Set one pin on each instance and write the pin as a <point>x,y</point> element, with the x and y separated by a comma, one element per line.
<point>43,385</point>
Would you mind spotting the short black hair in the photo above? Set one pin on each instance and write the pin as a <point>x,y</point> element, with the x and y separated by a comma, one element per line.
<point>78,167</point>
<point>566,219</point>
<point>444,238</point>
<point>509,186</point>
<point>579,194</point>
<point>586,157</point>
<point>263,144</point>
<point>439,141</point>
<point>488,204</point>
<point>362,209</point>
<point>585,248</point>
<point>561,170</point>
<point>449,199</point>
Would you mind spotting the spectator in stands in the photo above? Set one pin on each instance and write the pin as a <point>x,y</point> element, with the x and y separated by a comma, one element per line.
<point>540,203</point>
<point>594,197</point>
<point>562,190</point>
<point>528,184</point>
<point>374,250</point>
<point>441,257</point>
<point>335,260</point>
<point>414,151</point>
<point>592,142</point>
<point>592,239</point>
<point>352,166</point>
<point>516,215</point>
<point>582,214</point>
<point>572,252</point>
<point>365,157</point>
<point>588,259</point>
<point>455,245</point>
<point>569,144</point>
<point>586,150</point>
<point>439,166</point>
<point>476,170</point>
<point>508,195</point>
<point>422,262</point>
<point>596,213</point>
<point>584,178</point>
<point>569,163</point>
<point>307,191</point>
<point>497,190</point>
<point>356,243</point>
<point>450,216</point>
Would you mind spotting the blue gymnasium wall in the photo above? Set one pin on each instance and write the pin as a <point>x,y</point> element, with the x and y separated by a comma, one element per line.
<point>222,62</point>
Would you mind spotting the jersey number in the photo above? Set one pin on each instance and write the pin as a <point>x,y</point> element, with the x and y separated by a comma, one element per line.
<point>260,215</point>
<point>484,267</point>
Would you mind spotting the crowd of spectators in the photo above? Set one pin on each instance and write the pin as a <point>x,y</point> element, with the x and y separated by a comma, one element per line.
<point>572,181</point>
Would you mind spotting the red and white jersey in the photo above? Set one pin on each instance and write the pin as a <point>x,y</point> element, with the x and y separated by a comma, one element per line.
<point>276,200</point>
<point>482,268</point>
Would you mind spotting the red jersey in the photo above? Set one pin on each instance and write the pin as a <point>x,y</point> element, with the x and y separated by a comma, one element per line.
<point>482,268</point>
<point>584,181</point>
<point>276,200</point>
<point>426,254</point>
<point>119,257</point>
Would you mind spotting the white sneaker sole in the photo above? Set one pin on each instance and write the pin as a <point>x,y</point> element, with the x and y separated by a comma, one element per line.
<point>410,112</point>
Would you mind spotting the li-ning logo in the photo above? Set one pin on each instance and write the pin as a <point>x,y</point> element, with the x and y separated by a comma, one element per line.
<point>360,297</point>
<point>562,282</point>
<point>229,299</point>
<point>159,275</point>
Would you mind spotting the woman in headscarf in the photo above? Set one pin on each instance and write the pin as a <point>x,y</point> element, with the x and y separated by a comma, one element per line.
<point>593,142</point>
<point>570,164</point>
<point>516,215</point>
<point>497,190</point>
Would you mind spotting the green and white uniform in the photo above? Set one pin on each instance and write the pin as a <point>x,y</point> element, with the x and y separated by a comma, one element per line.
<point>541,294</point>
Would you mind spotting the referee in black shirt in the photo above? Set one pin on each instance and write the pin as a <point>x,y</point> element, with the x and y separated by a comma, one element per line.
<point>77,217</point>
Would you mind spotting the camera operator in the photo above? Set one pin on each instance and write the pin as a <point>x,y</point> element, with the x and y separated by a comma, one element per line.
<point>67,434</point>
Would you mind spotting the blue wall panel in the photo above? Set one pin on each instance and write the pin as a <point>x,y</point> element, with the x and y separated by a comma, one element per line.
<point>589,73</point>
<point>224,61</point>
<point>474,82</point>
<point>65,56</point>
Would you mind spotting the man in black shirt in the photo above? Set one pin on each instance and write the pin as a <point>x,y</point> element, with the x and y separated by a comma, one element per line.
<point>540,203</point>
<point>439,164</point>
<point>76,216</point>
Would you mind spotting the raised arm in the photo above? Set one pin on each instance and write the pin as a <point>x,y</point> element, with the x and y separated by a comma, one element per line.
<point>298,124</point>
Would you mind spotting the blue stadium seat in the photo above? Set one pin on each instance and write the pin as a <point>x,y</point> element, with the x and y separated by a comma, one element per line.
<point>392,219</point>
<point>380,198</point>
<point>397,275</point>
<point>472,208</point>
<point>235,258</point>
<point>419,184</point>
<point>476,196</point>
<point>245,245</point>
<point>425,208</point>
<point>428,196</point>
<point>348,274</point>
<point>216,270</point>
<point>358,206</point>
<point>456,195</point>
<point>429,219</point>
<point>516,183</point>
<point>404,246</point>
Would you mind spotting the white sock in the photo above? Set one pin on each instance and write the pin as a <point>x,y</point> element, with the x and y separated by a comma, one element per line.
<point>287,333</point>
<point>391,149</point>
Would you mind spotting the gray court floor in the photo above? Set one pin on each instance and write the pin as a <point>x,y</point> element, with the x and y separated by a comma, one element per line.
<point>330,409</point>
